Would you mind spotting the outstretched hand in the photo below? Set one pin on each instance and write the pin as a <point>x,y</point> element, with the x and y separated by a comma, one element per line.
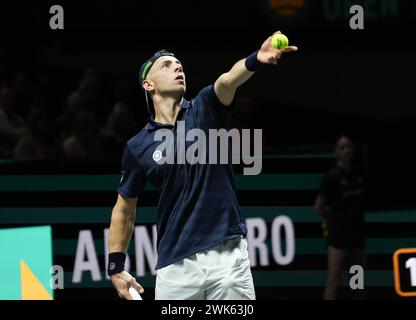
<point>269,55</point>
<point>122,282</point>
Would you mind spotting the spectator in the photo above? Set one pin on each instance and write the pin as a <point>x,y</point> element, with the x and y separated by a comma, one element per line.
<point>39,141</point>
<point>342,192</point>
<point>23,94</point>
<point>11,124</point>
<point>83,139</point>
<point>89,95</point>
<point>120,127</point>
<point>86,95</point>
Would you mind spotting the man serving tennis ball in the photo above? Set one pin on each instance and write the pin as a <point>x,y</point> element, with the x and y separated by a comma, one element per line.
<point>201,245</point>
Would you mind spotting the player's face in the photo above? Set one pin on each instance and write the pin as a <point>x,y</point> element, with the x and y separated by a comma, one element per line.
<point>345,149</point>
<point>168,76</point>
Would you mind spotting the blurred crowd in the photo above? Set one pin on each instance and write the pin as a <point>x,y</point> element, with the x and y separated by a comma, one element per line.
<point>87,121</point>
<point>40,119</point>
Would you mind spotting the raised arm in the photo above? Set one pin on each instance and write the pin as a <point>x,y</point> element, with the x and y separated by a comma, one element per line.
<point>227,84</point>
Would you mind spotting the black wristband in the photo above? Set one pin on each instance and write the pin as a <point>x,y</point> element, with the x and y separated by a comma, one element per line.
<point>116,262</point>
<point>252,64</point>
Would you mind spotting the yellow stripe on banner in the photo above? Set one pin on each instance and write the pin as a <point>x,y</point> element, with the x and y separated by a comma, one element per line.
<point>31,287</point>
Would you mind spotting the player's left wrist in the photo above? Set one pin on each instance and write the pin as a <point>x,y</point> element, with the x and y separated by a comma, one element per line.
<point>252,62</point>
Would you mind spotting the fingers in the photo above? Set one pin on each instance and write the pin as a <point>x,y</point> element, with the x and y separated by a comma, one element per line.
<point>273,60</point>
<point>127,281</point>
<point>126,276</point>
<point>290,49</point>
<point>125,294</point>
<point>123,290</point>
<point>131,281</point>
<point>136,286</point>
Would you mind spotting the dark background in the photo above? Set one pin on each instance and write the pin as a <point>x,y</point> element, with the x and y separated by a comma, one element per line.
<point>341,80</point>
<point>360,82</point>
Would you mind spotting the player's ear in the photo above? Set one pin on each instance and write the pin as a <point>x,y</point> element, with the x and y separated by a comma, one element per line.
<point>148,85</point>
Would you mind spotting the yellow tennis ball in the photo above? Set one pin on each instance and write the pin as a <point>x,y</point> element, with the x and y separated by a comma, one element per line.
<point>280,41</point>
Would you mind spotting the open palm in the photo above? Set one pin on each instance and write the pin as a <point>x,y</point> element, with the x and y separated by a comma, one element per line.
<point>267,54</point>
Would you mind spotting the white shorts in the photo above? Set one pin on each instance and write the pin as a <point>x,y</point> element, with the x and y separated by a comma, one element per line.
<point>219,273</point>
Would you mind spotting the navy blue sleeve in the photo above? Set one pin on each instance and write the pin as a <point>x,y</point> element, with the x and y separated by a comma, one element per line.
<point>212,106</point>
<point>133,179</point>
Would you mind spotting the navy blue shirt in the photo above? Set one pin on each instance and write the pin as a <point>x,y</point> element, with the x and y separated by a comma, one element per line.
<point>197,207</point>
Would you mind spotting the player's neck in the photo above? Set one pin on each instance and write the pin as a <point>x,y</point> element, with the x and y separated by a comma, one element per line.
<point>167,109</point>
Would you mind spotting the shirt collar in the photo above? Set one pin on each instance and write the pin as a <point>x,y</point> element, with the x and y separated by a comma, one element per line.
<point>152,124</point>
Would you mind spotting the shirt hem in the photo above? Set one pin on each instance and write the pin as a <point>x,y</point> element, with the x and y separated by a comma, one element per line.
<point>160,266</point>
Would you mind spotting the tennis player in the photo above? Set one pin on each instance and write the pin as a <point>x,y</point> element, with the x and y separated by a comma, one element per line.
<point>201,245</point>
